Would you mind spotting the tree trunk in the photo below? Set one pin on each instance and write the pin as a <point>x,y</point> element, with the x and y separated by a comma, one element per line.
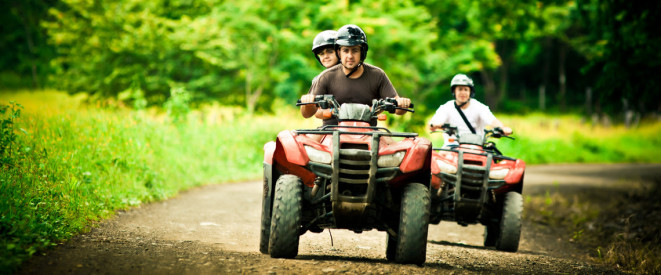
<point>505,50</point>
<point>542,97</point>
<point>490,93</point>
<point>251,97</point>
<point>26,20</point>
<point>588,101</point>
<point>562,77</point>
<point>545,72</point>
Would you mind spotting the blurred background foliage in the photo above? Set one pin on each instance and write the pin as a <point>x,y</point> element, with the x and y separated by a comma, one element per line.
<point>584,56</point>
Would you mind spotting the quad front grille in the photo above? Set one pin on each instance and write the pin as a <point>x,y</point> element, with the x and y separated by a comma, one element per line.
<point>354,164</point>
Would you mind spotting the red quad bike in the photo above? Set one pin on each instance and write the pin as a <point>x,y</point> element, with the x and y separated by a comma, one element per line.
<point>474,183</point>
<point>355,177</point>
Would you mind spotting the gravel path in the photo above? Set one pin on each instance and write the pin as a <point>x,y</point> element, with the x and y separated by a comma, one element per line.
<point>215,230</point>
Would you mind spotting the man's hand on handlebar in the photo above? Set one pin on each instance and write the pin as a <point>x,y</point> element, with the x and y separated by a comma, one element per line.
<point>307,98</point>
<point>402,102</point>
<point>506,130</point>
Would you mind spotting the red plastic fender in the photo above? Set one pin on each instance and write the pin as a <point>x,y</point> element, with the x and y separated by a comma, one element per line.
<point>435,182</point>
<point>281,163</point>
<point>514,176</point>
<point>434,167</point>
<point>293,150</point>
<point>269,149</point>
<point>416,156</point>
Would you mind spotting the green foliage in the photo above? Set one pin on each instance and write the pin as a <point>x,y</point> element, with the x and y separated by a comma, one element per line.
<point>23,42</point>
<point>9,114</point>
<point>178,105</point>
<point>257,54</point>
<point>626,55</point>
<point>73,166</point>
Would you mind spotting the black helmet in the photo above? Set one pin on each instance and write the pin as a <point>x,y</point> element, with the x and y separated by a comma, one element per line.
<point>351,35</point>
<point>325,38</point>
<point>322,40</point>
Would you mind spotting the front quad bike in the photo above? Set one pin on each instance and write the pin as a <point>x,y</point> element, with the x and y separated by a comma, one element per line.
<point>348,176</point>
<point>474,183</point>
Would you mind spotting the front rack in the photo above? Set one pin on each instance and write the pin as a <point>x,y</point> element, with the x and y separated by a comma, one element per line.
<point>454,150</point>
<point>328,130</point>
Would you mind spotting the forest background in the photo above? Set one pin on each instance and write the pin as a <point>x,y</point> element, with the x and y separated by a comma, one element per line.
<point>585,56</point>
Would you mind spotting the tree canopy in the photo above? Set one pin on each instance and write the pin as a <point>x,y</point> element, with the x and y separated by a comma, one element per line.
<point>524,55</point>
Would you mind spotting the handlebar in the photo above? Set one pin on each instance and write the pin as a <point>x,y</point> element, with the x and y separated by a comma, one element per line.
<point>326,101</point>
<point>495,132</point>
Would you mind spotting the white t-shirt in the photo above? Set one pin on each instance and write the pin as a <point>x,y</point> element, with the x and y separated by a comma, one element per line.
<point>478,114</point>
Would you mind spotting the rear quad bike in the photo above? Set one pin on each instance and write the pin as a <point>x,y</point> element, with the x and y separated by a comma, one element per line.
<point>348,176</point>
<point>474,183</point>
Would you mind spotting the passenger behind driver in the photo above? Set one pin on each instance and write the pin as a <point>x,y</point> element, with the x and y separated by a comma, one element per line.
<point>353,81</point>
<point>478,115</point>
<point>323,48</point>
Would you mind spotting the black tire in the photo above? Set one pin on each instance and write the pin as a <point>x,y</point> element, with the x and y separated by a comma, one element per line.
<point>265,229</point>
<point>510,223</point>
<point>491,234</point>
<point>413,225</point>
<point>286,217</point>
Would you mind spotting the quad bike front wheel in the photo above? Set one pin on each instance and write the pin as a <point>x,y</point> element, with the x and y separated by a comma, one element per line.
<point>286,218</point>
<point>411,242</point>
<point>510,223</point>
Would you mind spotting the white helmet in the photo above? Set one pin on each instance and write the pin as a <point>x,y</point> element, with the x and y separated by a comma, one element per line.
<point>462,80</point>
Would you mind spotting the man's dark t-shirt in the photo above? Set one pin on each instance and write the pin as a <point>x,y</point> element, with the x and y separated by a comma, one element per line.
<point>372,84</point>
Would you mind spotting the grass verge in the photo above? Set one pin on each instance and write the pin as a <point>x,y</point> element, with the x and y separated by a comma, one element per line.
<point>66,165</point>
<point>544,139</point>
<point>619,227</point>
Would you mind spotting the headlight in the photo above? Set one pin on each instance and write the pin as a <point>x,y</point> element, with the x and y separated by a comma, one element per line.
<point>445,167</point>
<point>498,174</point>
<point>392,160</point>
<point>318,155</point>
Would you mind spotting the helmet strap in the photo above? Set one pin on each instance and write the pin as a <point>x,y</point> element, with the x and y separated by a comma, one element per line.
<point>460,105</point>
<point>353,70</point>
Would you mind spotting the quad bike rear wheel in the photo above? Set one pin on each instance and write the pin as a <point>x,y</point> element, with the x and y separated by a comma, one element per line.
<point>286,218</point>
<point>411,241</point>
<point>510,223</point>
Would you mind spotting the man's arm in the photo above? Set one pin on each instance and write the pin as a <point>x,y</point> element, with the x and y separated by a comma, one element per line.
<point>506,130</point>
<point>439,118</point>
<point>308,110</point>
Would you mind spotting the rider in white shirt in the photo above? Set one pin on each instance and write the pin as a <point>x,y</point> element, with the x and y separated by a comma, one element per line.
<point>477,114</point>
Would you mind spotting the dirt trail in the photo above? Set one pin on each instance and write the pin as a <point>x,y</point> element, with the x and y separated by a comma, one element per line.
<point>215,229</point>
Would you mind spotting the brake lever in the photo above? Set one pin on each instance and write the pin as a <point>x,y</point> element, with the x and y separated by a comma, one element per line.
<point>299,103</point>
<point>405,109</point>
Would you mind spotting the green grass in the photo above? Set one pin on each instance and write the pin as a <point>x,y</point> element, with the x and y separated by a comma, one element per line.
<point>71,164</point>
<point>544,139</point>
